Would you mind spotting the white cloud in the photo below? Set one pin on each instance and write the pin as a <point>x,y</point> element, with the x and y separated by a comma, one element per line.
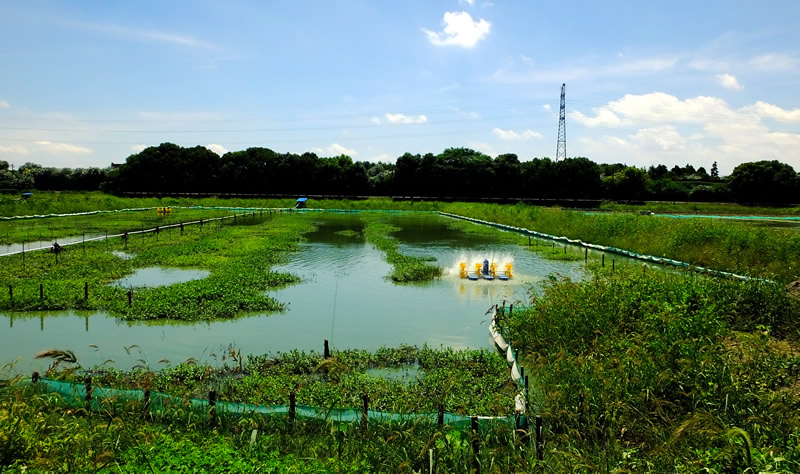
<point>4,105</point>
<point>55,147</point>
<point>385,157</point>
<point>138,148</point>
<point>484,148</point>
<point>774,62</point>
<point>603,117</point>
<point>763,109</point>
<point>218,149</point>
<point>335,150</point>
<point>14,149</point>
<point>547,108</point>
<point>400,119</point>
<point>468,2</point>
<point>729,81</point>
<point>147,35</point>
<point>512,135</point>
<point>664,138</point>
<point>459,30</point>
<point>524,73</point>
<point>466,113</point>
<point>659,128</point>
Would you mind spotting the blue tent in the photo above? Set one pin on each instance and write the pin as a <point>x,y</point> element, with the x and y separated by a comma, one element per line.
<point>301,203</point>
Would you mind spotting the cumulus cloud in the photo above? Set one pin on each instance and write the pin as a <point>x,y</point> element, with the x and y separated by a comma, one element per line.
<point>218,149</point>
<point>138,148</point>
<point>661,128</point>
<point>468,2</point>
<point>729,81</point>
<point>63,147</point>
<point>459,30</point>
<point>512,135</point>
<point>4,104</point>
<point>335,150</point>
<point>400,119</point>
<point>763,109</point>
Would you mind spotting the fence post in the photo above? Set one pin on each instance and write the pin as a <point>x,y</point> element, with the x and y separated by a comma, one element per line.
<point>603,261</point>
<point>181,228</point>
<point>476,445</point>
<point>35,377</point>
<point>86,291</point>
<point>364,411</point>
<point>539,440</point>
<point>10,292</point>
<point>212,408</point>
<point>146,404</point>
<point>440,418</point>
<point>41,291</point>
<point>130,298</point>
<point>88,397</point>
<point>292,409</point>
<point>612,264</point>
<point>585,255</point>
<point>326,353</point>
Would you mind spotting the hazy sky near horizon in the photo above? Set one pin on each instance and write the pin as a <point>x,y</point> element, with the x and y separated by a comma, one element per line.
<point>87,83</point>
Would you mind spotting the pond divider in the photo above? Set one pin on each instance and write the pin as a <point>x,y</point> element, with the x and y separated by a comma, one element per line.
<point>603,248</point>
<point>248,213</point>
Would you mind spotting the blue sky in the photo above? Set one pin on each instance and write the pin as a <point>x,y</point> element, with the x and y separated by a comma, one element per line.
<point>87,83</point>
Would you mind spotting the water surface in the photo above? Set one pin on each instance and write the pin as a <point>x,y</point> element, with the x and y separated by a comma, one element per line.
<point>344,297</point>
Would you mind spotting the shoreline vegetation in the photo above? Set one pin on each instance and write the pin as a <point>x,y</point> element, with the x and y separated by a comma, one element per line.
<point>630,371</point>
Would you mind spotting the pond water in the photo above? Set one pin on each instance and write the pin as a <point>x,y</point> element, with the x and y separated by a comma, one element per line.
<point>344,297</point>
<point>151,277</point>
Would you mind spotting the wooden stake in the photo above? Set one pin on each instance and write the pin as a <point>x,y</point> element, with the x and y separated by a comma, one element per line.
<point>364,411</point>
<point>212,408</point>
<point>326,353</point>
<point>292,409</point>
<point>539,439</point>
<point>476,445</point>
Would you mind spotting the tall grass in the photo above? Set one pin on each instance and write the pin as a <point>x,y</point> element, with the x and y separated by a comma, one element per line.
<point>665,372</point>
<point>722,245</point>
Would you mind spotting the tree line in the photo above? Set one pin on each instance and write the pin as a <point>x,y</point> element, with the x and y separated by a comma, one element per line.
<point>455,173</point>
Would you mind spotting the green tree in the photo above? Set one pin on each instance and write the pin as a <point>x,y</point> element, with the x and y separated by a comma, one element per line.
<point>764,182</point>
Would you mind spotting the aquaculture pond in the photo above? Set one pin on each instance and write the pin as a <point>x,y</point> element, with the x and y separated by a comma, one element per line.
<point>344,297</point>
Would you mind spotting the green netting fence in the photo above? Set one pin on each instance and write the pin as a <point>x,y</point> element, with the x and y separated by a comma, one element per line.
<point>158,403</point>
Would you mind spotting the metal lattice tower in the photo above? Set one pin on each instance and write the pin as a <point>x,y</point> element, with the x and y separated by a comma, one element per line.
<point>561,147</point>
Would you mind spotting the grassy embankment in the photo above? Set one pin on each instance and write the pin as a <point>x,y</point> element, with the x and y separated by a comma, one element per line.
<point>713,208</point>
<point>721,245</point>
<point>41,433</point>
<point>664,373</point>
<point>724,245</point>
<point>405,268</point>
<point>239,258</point>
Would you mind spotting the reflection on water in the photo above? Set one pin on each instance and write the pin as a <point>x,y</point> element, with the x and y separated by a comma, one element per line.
<point>344,297</point>
<point>151,277</point>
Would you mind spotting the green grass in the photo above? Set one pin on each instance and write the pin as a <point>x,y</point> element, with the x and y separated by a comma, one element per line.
<point>41,432</point>
<point>405,268</point>
<point>664,372</point>
<point>721,245</point>
<point>716,208</point>
<point>239,258</point>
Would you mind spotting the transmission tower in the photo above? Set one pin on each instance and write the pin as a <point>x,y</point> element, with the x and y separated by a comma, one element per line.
<point>561,147</point>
